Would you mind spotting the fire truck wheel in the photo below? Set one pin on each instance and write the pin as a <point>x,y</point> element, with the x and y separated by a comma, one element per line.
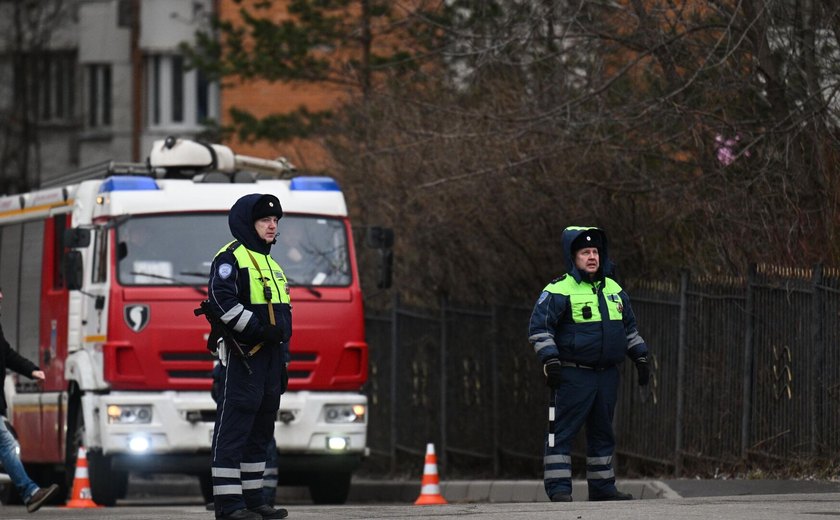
<point>9,495</point>
<point>330,488</point>
<point>205,482</point>
<point>103,486</point>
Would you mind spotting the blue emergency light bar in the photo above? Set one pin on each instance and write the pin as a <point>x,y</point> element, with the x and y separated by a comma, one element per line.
<point>314,184</point>
<point>127,183</point>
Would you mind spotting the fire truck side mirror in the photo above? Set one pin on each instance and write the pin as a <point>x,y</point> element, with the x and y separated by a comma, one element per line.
<point>380,237</point>
<point>386,261</point>
<point>75,238</point>
<point>383,239</point>
<point>73,270</point>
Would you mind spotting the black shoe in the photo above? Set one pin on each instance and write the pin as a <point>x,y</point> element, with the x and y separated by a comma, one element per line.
<point>617,496</point>
<point>241,514</point>
<point>40,497</point>
<point>560,497</point>
<point>269,512</point>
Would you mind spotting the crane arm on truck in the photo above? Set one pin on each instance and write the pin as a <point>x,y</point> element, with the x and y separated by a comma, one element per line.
<point>185,154</point>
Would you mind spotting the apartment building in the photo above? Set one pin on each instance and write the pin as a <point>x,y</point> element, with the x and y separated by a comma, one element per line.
<point>100,80</point>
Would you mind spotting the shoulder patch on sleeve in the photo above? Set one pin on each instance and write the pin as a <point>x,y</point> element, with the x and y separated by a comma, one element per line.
<point>224,271</point>
<point>543,296</point>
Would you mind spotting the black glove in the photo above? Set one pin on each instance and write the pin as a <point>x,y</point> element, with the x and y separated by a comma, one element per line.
<point>273,334</point>
<point>553,371</point>
<point>643,370</point>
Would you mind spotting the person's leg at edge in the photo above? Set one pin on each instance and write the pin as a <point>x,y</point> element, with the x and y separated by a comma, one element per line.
<point>12,464</point>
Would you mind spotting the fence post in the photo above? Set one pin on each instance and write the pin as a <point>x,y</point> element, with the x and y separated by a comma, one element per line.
<point>817,358</point>
<point>443,353</point>
<point>494,367</point>
<point>746,411</point>
<point>394,339</point>
<point>681,335</point>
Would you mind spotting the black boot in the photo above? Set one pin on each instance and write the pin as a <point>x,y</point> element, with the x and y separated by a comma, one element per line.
<point>268,512</point>
<point>241,514</point>
<point>617,496</point>
<point>560,497</point>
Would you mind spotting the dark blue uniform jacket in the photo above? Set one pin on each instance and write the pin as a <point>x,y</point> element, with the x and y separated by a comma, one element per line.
<point>559,326</point>
<point>230,290</point>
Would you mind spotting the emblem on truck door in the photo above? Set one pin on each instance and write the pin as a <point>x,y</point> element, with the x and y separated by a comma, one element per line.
<point>136,316</point>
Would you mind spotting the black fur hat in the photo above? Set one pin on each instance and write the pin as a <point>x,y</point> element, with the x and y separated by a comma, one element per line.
<point>588,238</point>
<point>266,206</point>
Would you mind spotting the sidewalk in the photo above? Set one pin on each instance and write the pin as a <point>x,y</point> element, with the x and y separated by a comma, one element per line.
<point>365,491</point>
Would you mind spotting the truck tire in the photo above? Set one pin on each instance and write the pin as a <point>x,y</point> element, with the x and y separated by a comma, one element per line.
<point>104,483</point>
<point>330,488</point>
<point>205,482</point>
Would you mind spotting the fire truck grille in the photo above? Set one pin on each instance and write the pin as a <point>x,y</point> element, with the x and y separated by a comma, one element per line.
<point>187,365</point>
<point>200,360</point>
<point>196,416</point>
<point>190,374</point>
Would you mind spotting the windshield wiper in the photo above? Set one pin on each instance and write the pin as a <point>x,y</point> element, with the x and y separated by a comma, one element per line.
<point>197,274</point>
<point>176,282</point>
<point>295,283</point>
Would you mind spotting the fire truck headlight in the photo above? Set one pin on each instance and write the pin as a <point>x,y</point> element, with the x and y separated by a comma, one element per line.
<point>344,413</point>
<point>129,414</point>
<point>337,443</point>
<point>138,444</point>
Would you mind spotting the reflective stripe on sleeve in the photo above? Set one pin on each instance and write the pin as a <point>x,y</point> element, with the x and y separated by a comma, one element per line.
<point>634,339</point>
<point>232,313</point>
<point>242,322</point>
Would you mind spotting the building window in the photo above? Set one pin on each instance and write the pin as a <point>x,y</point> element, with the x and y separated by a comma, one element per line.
<point>176,96</point>
<point>99,97</point>
<point>45,85</point>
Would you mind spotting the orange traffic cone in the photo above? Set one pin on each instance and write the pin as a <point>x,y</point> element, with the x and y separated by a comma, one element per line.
<point>81,497</point>
<point>430,490</point>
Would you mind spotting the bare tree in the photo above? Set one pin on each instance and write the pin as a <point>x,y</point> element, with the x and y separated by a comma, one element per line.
<point>700,135</point>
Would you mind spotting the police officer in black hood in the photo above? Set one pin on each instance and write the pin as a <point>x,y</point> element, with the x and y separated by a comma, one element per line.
<point>249,292</point>
<point>582,328</point>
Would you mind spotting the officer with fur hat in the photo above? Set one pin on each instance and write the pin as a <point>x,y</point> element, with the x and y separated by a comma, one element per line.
<point>249,292</point>
<point>581,328</point>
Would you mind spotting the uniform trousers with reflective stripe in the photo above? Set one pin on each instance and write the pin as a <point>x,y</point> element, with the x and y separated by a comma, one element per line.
<point>586,397</point>
<point>245,415</point>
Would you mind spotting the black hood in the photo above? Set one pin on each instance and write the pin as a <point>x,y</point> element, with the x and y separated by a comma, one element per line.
<point>569,236</point>
<point>242,224</point>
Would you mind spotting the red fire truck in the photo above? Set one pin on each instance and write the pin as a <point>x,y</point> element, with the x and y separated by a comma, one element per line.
<point>101,279</point>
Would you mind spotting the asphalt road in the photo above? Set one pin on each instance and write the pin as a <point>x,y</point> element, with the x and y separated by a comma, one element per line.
<point>753,507</point>
<point>178,498</point>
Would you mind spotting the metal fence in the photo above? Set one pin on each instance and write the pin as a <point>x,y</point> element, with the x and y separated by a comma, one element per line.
<point>743,372</point>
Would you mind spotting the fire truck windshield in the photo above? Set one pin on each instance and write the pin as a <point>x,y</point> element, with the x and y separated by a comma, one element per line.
<point>177,249</point>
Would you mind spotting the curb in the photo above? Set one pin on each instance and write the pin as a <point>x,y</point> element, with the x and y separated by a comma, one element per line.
<point>372,491</point>
<point>466,491</point>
